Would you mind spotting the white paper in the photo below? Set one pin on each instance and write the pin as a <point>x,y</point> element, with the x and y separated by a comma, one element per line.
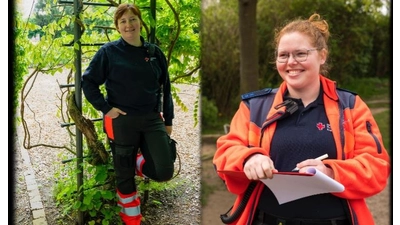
<point>289,187</point>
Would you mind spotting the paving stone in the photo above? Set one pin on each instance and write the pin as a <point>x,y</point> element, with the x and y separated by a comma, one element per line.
<point>40,221</point>
<point>30,176</point>
<point>34,193</point>
<point>31,187</point>
<point>36,205</point>
<point>30,180</point>
<point>35,198</point>
<point>38,214</point>
<point>35,202</point>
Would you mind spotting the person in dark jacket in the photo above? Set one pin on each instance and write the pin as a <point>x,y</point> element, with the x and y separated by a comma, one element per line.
<point>138,108</point>
<point>309,116</point>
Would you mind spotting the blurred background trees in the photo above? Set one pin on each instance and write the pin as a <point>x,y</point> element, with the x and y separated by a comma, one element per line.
<point>360,48</point>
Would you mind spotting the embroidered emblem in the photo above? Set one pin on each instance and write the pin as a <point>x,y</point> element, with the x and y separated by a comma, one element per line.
<point>146,59</point>
<point>320,126</point>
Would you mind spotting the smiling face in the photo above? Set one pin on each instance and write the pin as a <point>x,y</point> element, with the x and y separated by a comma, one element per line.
<point>299,75</point>
<point>128,25</point>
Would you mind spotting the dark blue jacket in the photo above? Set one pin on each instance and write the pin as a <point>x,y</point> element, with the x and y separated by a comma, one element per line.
<point>132,80</point>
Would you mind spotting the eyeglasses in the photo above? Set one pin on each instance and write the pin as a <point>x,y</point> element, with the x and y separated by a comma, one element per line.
<point>298,55</point>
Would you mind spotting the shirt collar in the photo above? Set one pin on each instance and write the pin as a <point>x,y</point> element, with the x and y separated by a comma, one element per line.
<point>318,101</point>
<point>124,43</point>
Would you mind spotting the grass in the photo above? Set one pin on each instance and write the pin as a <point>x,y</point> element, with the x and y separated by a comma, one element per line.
<point>216,128</point>
<point>369,88</point>
<point>384,122</point>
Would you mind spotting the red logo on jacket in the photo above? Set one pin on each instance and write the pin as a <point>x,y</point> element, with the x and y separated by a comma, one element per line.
<point>320,126</point>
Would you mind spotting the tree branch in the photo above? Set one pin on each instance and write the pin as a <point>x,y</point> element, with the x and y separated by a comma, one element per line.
<point>97,152</point>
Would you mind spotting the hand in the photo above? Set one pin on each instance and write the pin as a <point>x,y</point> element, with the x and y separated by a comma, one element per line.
<point>314,163</point>
<point>259,166</point>
<point>115,112</point>
<point>169,130</point>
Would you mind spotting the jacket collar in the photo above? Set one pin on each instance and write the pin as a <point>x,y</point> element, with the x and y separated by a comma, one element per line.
<point>328,86</point>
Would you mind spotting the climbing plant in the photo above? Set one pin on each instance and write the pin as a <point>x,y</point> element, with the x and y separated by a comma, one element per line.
<point>177,34</point>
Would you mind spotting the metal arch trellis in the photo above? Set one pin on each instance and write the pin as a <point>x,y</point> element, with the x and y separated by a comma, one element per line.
<point>78,6</point>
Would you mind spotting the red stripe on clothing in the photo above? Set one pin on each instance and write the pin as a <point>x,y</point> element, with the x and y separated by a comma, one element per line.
<point>108,126</point>
<point>130,209</point>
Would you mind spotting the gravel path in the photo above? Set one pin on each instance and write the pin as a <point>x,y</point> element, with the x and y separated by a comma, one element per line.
<point>35,168</point>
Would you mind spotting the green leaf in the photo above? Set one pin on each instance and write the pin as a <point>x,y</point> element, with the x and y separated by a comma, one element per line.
<point>87,199</point>
<point>77,205</point>
<point>109,195</point>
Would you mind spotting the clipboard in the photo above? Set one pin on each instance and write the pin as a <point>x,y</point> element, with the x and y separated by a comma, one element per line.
<point>240,174</point>
<point>290,186</point>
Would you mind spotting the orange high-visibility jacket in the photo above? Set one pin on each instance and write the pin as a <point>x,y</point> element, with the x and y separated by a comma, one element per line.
<point>362,165</point>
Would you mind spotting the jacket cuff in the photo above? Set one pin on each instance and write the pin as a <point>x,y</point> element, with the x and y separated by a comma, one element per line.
<point>105,109</point>
<point>168,122</point>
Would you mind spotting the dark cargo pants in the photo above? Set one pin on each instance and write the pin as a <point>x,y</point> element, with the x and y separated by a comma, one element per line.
<point>129,133</point>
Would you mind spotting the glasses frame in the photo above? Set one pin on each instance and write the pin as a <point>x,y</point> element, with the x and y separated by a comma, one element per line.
<point>294,56</point>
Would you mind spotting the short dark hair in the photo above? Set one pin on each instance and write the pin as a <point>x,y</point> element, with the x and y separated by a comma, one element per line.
<point>122,8</point>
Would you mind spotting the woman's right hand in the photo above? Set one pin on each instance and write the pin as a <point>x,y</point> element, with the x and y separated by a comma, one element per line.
<point>114,113</point>
<point>259,166</point>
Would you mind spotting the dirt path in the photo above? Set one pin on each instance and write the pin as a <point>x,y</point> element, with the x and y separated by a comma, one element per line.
<point>218,200</point>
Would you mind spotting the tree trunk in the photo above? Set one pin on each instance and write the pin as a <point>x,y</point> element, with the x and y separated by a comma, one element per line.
<point>97,152</point>
<point>248,46</point>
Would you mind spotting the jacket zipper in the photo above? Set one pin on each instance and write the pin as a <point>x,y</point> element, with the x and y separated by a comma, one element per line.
<point>369,129</point>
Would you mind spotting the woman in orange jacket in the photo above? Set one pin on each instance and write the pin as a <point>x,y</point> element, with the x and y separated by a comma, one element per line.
<point>288,127</point>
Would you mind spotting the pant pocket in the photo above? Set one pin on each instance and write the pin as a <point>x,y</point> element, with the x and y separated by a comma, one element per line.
<point>124,157</point>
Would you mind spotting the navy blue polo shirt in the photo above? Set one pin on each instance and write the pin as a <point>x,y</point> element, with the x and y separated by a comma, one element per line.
<point>306,134</point>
